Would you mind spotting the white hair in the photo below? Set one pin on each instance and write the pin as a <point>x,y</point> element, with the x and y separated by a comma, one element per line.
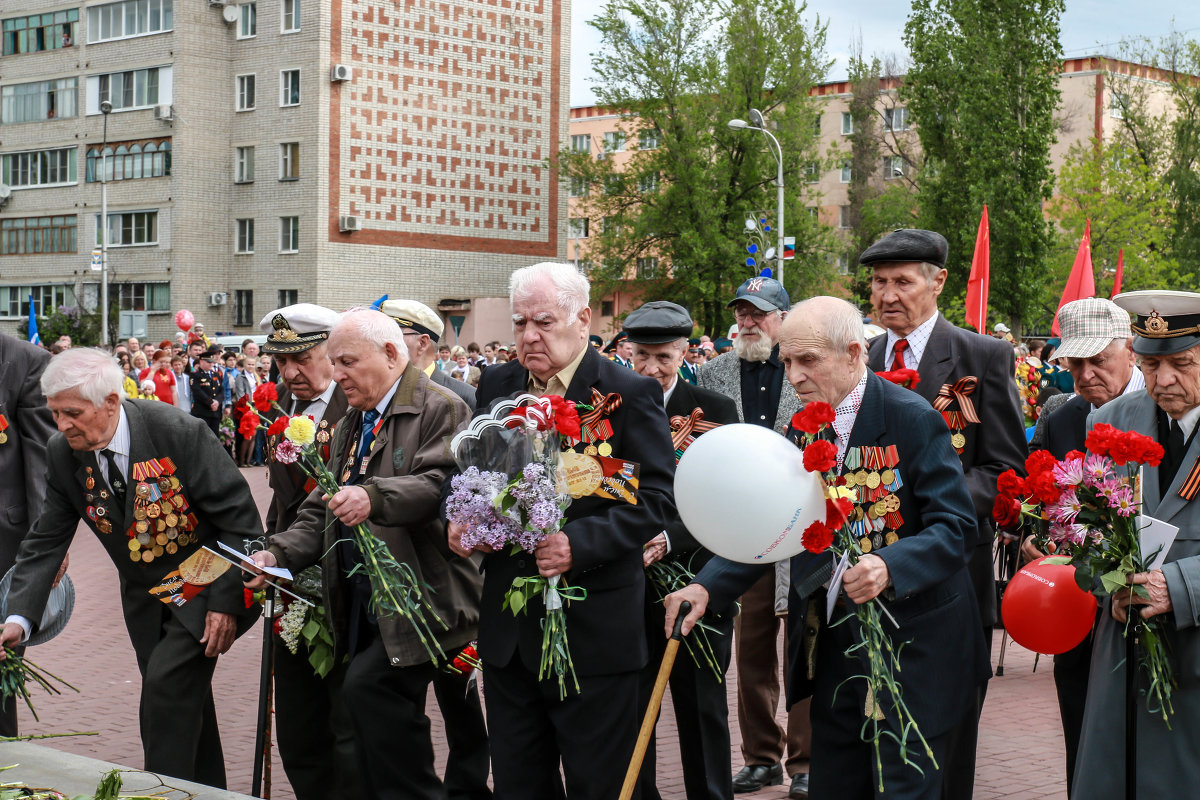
<point>842,321</point>
<point>570,284</point>
<point>91,372</point>
<point>373,326</point>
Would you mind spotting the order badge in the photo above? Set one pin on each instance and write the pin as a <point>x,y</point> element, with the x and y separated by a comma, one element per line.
<point>580,474</point>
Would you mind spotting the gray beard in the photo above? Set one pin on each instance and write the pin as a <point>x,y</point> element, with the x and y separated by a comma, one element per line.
<point>757,349</point>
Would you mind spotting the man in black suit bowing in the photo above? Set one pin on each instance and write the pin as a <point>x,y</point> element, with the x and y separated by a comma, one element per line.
<point>590,733</point>
<point>155,486</point>
<point>659,331</point>
<point>968,377</point>
<point>917,570</point>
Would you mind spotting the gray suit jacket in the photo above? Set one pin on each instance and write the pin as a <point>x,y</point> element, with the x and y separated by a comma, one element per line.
<point>1166,758</point>
<point>23,454</point>
<point>461,388</point>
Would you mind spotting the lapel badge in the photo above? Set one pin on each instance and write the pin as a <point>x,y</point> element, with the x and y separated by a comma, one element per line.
<point>398,458</point>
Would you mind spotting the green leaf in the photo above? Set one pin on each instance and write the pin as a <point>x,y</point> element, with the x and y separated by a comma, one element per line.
<point>1083,577</point>
<point>1056,560</point>
<point>1113,582</point>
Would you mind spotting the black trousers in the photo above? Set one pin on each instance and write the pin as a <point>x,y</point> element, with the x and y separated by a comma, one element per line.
<point>590,734</point>
<point>1071,682</point>
<point>468,762</point>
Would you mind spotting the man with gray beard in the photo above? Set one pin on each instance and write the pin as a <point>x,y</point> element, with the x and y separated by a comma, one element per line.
<point>752,376</point>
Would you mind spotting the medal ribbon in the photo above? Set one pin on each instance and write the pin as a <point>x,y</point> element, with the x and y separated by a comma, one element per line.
<point>684,430</point>
<point>594,426</point>
<point>3,423</point>
<point>961,390</point>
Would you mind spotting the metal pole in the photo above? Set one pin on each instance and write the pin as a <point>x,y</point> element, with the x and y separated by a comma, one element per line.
<point>779,211</point>
<point>104,229</point>
<point>1131,697</point>
<point>262,740</point>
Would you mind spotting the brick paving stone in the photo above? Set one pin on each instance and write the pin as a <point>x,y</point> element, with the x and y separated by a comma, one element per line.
<point>1020,743</point>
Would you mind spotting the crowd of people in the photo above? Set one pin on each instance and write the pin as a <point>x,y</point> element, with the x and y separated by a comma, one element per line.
<point>925,418</point>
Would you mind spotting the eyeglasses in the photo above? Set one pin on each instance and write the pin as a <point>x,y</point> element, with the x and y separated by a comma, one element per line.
<point>756,314</point>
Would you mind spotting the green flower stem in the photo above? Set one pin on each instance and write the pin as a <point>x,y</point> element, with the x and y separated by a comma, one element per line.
<point>668,576</point>
<point>556,651</point>
<point>16,671</point>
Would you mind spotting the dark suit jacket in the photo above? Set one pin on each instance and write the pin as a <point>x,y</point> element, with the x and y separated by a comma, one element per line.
<point>214,489</point>
<point>994,445</point>
<point>1066,428</point>
<point>205,389</point>
<point>461,388</point>
<point>23,455</point>
<point>944,658</point>
<point>607,631</point>
<point>287,481</point>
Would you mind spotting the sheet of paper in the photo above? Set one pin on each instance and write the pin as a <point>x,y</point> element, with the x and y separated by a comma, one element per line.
<point>1156,535</point>
<point>835,585</point>
<point>275,572</point>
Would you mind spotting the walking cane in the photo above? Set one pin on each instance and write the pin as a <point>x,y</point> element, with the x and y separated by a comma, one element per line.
<point>262,739</point>
<point>660,687</point>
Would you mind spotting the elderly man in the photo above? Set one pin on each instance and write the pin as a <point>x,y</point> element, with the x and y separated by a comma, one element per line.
<point>968,377</point>
<point>591,733</point>
<point>658,331</point>
<point>392,448</point>
<point>916,571</point>
<point>156,488</point>
<point>423,330</point>
<point>1167,343</point>
<point>316,738</point>
<point>754,378</point>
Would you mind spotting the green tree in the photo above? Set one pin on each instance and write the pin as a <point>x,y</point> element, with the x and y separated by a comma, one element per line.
<point>983,91</point>
<point>679,70</point>
<point>83,327</point>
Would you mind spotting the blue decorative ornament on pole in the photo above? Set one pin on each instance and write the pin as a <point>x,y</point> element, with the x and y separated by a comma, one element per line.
<point>757,242</point>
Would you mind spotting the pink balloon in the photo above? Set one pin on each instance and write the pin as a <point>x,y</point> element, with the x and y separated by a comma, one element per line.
<point>1044,610</point>
<point>184,320</point>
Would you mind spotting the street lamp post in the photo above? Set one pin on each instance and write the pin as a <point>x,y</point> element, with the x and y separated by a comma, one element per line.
<point>757,123</point>
<point>105,109</point>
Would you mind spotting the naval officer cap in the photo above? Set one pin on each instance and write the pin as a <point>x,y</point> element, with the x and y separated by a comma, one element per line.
<point>908,245</point>
<point>414,316</point>
<point>296,328</point>
<point>1167,321</point>
<point>658,322</point>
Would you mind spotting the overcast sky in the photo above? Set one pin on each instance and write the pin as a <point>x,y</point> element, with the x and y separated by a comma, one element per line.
<point>1088,26</point>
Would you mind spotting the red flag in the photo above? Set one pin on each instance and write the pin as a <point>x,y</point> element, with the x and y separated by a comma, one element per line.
<point>977,284</point>
<point>1120,272</point>
<point>1081,283</point>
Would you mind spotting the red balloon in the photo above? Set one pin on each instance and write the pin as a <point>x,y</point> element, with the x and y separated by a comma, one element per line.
<point>1044,610</point>
<point>184,320</point>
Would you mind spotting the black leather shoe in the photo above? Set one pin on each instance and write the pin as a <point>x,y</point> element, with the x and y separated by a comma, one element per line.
<point>751,779</point>
<point>799,790</point>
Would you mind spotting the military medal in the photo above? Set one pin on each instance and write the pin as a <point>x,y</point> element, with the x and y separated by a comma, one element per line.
<point>605,449</point>
<point>959,441</point>
<point>4,429</point>
<point>579,473</point>
<point>590,450</point>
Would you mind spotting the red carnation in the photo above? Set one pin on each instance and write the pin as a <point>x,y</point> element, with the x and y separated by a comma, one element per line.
<point>1040,461</point>
<point>279,425</point>
<point>1010,484</point>
<point>1007,512</point>
<point>837,512</point>
<point>264,396</point>
<point>813,417</point>
<point>1127,446</point>
<point>1042,487</point>
<point>566,417</point>
<point>820,456</point>
<point>817,537</point>
<point>1100,439</point>
<point>248,425</point>
<point>908,378</point>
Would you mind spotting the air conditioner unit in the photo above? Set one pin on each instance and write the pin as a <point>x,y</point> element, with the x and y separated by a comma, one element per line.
<point>216,2</point>
<point>218,298</point>
<point>165,113</point>
<point>349,224</point>
<point>341,72</point>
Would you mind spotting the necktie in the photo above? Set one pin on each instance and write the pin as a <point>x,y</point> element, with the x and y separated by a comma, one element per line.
<point>115,480</point>
<point>1172,456</point>
<point>368,433</point>
<point>299,406</point>
<point>898,354</point>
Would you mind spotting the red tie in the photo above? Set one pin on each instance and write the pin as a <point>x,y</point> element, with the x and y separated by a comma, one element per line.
<point>898,354</point>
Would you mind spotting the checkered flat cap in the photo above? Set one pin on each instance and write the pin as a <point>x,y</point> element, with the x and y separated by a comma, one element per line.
<point>1089,325</point>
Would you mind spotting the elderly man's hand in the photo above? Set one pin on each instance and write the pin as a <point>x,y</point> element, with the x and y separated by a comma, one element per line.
<point>654,550</point>
<point>219,632</point>
<point>867,579</point>
<point>10,636</point>
<point>693,593</point>
<point>62,570</point>
<point>1159,601</point>
<point>1030,552</point>
<point>263,558</point>
<point>454,534</point>
<point>351,505</point>
<point>553,555</point>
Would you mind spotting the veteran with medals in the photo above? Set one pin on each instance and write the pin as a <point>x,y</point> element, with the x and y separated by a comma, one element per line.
<point>155,486</point>
<point>589,735</point>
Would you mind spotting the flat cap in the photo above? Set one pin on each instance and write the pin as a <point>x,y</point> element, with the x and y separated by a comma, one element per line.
<point>765,294</point>
<point>1167,321</point>
<point>908,245</point>
<point>658,322</point>
<point>296,328</point>
<point>1088,326</point>
<point>415,316</point>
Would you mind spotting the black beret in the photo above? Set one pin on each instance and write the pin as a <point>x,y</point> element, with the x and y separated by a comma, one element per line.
<point>658,322</point>
<point>907,245</point>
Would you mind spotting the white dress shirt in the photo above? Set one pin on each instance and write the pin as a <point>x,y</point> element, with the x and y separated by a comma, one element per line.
<point>318,405</point>
<point>917,339</point>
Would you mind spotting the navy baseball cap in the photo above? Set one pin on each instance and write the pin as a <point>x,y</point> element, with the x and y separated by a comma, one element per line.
<point>766,294</point>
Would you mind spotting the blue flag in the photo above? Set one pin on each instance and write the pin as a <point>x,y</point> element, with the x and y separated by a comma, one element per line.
<point>33,331</point>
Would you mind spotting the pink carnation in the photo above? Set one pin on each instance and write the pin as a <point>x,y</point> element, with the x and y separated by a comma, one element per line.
<point>287,452</point>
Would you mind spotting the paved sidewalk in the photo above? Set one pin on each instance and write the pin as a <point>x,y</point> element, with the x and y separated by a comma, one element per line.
<point>1020,752</point>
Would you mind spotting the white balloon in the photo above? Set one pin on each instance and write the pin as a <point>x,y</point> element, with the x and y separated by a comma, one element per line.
<point>743,492</point>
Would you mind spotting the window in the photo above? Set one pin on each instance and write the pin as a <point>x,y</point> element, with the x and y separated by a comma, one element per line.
<point>243,165</point>
<point>894,167</point>
<point>35,102</point>
<point>614,142</point>
<point>247,21</point>
<point>289,87</point>
<point>648,183</point>
<point>812,172</point>
<point>290,24</point>
<point>843,264</point>
<point>843,216</point>
<point>245,236</point>
<point>578,188</point>
<point>122,161</point>
<point>245,92</point>
<point>289,161</point>
<point>129,228</point>
<point>581,143</point>
<point>895,119</point>
<point>288,297</point>
<point>579,228</point>
<point>28,235</point>
<point>137,88</point>
<point>128,18</point>
<point>143,296</point>
<point>40,32</point>
<point>289,234</point>
<point>14,300</point>
<point>847,173</point>
<point>847,123</point>
<point>813,212</point>
<point>647,267</point>
<point>243,307</point>
<point>606,308</point>
<point>649,139</point>
<point>38,168</point>
<point>1120,102</point>
<point>584,265</point>
<point>816,129</point>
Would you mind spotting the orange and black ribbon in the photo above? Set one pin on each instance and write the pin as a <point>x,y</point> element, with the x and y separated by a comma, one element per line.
<point>961,390</point>
<point>594,425</point>
<point>684,430</point>
<point>1191,484</point>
